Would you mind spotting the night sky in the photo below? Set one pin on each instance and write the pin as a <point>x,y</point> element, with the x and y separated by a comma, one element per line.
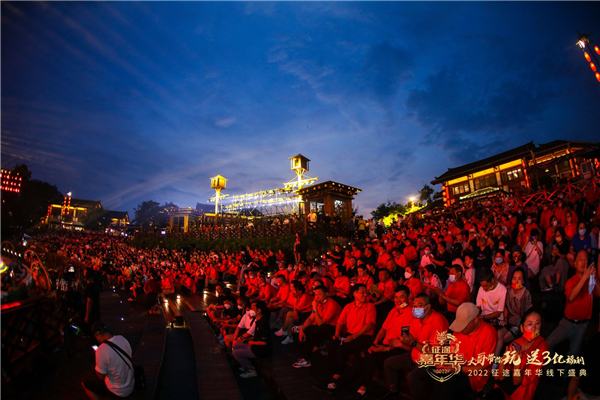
<point>131,101</point>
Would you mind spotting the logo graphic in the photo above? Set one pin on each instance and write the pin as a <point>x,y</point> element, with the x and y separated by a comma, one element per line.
<point>443,360</point>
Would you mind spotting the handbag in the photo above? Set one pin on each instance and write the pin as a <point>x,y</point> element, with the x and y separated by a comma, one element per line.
<point>138,370</point>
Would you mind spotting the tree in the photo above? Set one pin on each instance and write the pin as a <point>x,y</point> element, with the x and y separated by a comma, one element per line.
<point>96,219</point>
<point>387,209</point>
<point>27,208</point>
<point>147,212</point>
<point>425,194</point>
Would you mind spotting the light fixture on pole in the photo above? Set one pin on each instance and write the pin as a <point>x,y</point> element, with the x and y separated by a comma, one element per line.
<point>218,183</point>
<point>584,43</point>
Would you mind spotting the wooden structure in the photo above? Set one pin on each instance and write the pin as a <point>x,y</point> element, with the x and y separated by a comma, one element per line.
<point>182,219</point>
<point>329,197</point>
<point>522,167</point>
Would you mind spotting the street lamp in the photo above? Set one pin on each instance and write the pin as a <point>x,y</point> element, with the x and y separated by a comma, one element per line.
<point>583,42</point>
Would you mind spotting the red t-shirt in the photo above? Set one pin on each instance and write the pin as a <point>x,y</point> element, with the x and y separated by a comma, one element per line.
<point>530,381</point>
<point>355,318</point>
<point>283,272</point>
<point>426,332</point>
<point>283,293</point>
<point>304,303</point>
<point>366,280</point>
<point>410,253</point>
<point>458,290</point>
<point>382,260</point>
<point>396,319</point>
<point>342,285</point>
<point>268,292</point>
<point>581,307</point>
<point>415,286</point>
<point>386,288</point>
<point>482,340</point>
<point>401,261</point>
<point>330,311</point>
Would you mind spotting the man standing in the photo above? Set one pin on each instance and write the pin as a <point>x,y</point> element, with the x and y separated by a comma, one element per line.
<point>579,290</point>
<point>114,369</point>
<point>92,302</point>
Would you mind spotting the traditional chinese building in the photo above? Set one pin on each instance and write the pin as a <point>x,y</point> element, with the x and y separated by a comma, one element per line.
<point>521,167</point>
<point>329,197</point>
<point>72,214</point>
<point>183,219</point>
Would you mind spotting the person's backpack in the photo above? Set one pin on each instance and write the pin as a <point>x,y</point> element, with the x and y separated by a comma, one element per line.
<point>138,370</point>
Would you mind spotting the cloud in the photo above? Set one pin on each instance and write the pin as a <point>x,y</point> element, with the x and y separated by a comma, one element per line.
<point>386,68</point>
<point>226,122</point>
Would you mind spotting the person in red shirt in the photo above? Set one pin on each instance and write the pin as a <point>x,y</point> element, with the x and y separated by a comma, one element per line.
<point>283,271</point>
<point>457,292</point>
<point>340,290</point>
<point>578,309</point>
<point>531,346</point>
<point>385,302</point>
<point>382,258</point>
<point>424,329</point>
<point>400,316</point>
<point>301,304</point>
<point>399,258</point>
<point>473,337</point>
<point>283,293</point>
<point>320,325</point>
<point>152,289</point>
<point>412,281</point>
<point>409,251</point>
<point>267,291</point>
<point>546,217</point>
<point>363,277</point>
<point>353,333</point>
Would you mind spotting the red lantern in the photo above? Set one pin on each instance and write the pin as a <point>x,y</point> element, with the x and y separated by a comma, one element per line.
<point>597,50</point>
<point>587,57</point>
<point>598,76</point>
<point>593,67</point>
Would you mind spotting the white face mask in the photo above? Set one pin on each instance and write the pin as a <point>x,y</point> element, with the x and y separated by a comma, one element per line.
<point>252,313</point>
<point>554,223</point>
<point>452,278</point>
<point>407,275</point>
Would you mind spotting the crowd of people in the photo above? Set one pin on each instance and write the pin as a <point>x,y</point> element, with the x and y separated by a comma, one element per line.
<point>384,299</point>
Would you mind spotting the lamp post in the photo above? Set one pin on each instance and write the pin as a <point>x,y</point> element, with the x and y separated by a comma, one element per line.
<point>218,183</point>
<point>583,42</point>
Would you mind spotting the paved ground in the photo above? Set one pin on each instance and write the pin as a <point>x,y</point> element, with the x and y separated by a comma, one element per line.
<point>60,375</point>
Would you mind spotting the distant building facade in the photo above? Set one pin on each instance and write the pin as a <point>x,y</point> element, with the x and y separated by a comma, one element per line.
<point>72,214</point>
<point>517,168</point>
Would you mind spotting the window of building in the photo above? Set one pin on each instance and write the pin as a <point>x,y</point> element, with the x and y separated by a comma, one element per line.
<point>511,175</point>
<point>460,189</point>
<point>486,181</point>
<point>564,166</point>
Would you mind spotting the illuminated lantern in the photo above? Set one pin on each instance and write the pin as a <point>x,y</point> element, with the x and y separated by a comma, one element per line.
<point>597,50</point>
<point>598,76</point>
<point>593,67</point>
<point>587,57</point>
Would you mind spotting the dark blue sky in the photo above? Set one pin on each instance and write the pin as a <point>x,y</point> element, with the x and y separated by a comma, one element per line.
<point>130,101</point>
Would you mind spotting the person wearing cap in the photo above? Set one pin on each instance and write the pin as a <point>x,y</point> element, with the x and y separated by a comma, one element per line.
<point>113,369</point>
<point>474,337</point>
